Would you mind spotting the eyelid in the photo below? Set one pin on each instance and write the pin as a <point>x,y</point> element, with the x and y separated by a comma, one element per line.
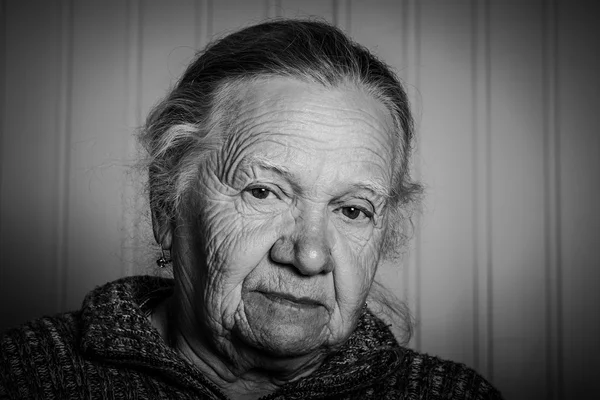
<point>271,188</point>
<point>369,209</point>
<point>368,213</point>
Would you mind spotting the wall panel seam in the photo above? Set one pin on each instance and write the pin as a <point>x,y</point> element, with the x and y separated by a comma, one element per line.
<point>342,15</point>
<point>63,154</point>
<point>552,238</point>
<point>475,184</point>
<point>412,53</point>
<point>273,8</point>
<point>489,198</point>
<point>3,39</point>
<point>129,197</point>
<point>481,123</point>
<point>418,170</point>
<point>204,23</point>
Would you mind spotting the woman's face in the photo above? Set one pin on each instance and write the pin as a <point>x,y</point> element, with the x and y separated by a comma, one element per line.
<point>280,246</point>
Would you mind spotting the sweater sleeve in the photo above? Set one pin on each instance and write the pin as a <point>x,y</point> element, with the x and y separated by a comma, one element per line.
<point>33,358</point>
<point>428,377</point>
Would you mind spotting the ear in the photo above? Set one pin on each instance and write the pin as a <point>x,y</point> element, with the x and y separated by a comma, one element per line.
<point>163,229</point>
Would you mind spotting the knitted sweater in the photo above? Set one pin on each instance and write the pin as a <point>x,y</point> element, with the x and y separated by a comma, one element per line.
<point>110,350</point>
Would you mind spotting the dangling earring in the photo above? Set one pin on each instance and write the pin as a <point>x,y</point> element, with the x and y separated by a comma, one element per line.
<point>163,261</point>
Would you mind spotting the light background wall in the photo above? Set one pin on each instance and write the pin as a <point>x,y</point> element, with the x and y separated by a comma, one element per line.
<point>504,269</point>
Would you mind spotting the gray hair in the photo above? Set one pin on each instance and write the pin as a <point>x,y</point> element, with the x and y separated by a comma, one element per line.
<point>188,124</point>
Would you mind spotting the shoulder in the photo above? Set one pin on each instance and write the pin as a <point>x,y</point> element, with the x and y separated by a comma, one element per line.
<point>431,377</point>
<point>31,354</point>
<point>373,365</point>
<point>60,331</point>
<point>71,354</point>
<point>60,338</point>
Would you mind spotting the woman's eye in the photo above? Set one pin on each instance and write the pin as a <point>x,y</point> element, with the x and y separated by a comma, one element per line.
<point>260,193</point>
<point>354,213</point>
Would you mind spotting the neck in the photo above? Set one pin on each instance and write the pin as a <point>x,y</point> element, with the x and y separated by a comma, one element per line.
<point>238,371</point>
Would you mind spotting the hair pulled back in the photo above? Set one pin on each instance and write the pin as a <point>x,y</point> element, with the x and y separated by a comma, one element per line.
<point>191,120</point>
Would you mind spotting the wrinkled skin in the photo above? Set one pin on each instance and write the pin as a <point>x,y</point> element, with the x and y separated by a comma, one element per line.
<point>278,249</point>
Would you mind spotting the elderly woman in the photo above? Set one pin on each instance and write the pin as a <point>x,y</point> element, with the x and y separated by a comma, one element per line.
<point>278,182</point>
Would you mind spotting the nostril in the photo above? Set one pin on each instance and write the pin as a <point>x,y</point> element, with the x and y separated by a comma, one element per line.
<point>282,252</point>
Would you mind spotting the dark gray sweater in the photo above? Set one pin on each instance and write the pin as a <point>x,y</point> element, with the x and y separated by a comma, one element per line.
<point>109,350</point>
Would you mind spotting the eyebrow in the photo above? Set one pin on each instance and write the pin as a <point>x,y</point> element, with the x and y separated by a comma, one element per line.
<point>374,187</point>
<point>265,163</point>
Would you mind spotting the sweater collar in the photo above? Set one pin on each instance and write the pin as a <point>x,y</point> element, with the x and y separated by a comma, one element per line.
<point>116,329</point>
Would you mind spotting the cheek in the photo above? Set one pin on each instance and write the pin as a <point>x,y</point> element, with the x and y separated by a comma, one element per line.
<point>356,264</point>
<point>237,245</point>
<point>356,235</point>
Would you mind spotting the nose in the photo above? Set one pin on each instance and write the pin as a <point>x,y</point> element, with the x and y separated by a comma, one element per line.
<point>307,246</point>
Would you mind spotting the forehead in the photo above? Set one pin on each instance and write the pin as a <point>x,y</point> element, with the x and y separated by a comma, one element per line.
<point>287,123</point>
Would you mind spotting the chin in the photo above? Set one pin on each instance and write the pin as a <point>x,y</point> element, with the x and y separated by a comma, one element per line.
<point>283,340</point>
<point>282,328</point>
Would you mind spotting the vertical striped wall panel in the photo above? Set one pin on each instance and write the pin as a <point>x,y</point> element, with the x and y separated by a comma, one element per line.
<point>517,195</point>
<point>98,145</point>
<point>578,147</point>
<point>30,158</point>
<point>502,272</point>
<point>446,168</point>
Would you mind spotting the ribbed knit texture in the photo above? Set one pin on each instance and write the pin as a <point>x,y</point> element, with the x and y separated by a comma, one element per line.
<point>109,350</point>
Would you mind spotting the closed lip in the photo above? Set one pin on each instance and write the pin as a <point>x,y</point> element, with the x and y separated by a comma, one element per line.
<point>282,297</point>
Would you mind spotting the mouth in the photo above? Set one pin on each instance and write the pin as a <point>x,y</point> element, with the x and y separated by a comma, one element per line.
<point>288,299</point>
